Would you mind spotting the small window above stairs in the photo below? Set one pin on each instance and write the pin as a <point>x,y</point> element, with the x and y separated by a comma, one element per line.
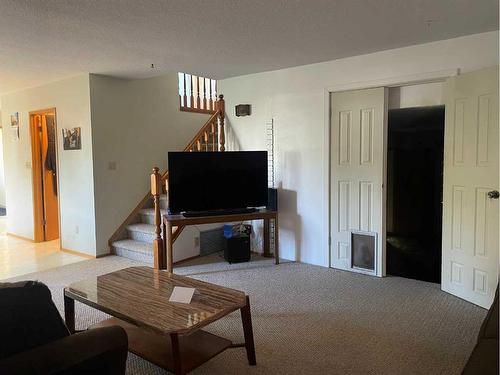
<point>197,94</point>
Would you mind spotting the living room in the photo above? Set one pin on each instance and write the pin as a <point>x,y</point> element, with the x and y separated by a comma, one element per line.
<point>294,78</point>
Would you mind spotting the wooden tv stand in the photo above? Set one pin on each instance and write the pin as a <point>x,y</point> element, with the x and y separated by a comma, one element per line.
<point>171,221</point>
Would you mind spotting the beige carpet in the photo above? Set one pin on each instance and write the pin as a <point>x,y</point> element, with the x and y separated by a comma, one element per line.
<point>314,320</point>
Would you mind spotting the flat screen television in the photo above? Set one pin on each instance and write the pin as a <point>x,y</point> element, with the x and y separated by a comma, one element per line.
<point>202,181</point>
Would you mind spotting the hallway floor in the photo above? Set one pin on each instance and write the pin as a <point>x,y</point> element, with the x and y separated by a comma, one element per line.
<point>19,257</point>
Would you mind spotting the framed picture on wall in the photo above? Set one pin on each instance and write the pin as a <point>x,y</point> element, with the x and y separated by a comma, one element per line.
<point>14,119</point>
<point>72,139</point>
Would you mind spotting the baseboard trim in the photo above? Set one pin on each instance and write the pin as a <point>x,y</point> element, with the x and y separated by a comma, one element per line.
<point>74,252</point>
<point>20,237</point>
<point>200,256</point>
<point>187,259</point>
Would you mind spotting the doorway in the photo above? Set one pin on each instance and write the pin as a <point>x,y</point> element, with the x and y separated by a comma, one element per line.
<point>44,165</point>
<point>470,242</point>
<point>415,191</point>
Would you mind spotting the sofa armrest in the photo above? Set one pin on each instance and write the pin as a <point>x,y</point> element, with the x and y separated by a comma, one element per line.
<point>96,351</point>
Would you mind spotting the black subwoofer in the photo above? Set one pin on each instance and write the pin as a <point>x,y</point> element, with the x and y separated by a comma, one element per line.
<point>237,249</point>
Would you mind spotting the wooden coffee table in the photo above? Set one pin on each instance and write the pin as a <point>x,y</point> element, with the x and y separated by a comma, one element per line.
<point>165,333</point>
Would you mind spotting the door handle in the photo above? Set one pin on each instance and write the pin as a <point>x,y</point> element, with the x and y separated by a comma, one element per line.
<point>494,194</point>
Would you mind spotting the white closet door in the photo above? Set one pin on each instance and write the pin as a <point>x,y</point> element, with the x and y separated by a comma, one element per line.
<point>358,153</point>
<point>470,209</point>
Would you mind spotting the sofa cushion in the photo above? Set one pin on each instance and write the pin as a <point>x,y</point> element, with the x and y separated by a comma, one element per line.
<point>28,317</point>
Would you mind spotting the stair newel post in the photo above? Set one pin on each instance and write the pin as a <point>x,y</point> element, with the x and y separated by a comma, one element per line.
<point>222,111</point>
<point>156,189</point>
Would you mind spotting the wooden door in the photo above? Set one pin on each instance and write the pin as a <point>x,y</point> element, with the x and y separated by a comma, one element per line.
<point>44,164</point>
<point>49,167</point>
<point>470,204</point>
<point>358,153</point>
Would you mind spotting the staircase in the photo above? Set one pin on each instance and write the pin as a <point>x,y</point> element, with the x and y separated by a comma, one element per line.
<point>139,236</point>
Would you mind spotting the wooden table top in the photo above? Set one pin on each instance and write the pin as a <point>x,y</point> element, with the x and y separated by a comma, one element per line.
<point>139,295</point>
<point>195,220</point>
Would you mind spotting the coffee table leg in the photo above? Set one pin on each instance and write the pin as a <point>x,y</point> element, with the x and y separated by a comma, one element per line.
<point>176,352</point>
<point>69,313</point>
<point>246,318</point>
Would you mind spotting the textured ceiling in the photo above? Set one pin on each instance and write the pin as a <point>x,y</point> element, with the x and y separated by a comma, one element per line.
<point>46,40</point>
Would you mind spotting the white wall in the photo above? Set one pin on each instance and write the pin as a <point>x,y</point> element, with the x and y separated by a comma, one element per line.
<point>2,179</point>
<point>131,123</point>
<point>134,124</point>
<point>295,99</point>
<point>71,98</point>
<point>420,95</point>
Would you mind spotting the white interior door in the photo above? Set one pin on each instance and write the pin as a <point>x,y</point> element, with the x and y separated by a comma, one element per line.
<point>470,211</point>
<point>358,153</point>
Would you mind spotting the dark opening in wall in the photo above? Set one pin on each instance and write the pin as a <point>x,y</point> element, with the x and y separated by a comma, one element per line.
<point>414,195</point>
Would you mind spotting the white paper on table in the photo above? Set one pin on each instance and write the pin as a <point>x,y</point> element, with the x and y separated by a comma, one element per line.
<point>181,294</point>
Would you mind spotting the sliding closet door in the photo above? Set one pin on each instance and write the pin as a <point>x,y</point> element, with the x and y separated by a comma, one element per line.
<point>358,152</point>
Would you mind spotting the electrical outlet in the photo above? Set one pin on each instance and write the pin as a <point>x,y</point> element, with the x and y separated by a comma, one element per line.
<point>77,229</point>
<point>197,242</point>
<point>112,165</point>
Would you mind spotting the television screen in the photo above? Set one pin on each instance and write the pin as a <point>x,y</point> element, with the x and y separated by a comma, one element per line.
<point>200,181</point>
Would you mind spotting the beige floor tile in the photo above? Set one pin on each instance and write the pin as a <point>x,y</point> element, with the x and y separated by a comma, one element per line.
<point>20,257</point>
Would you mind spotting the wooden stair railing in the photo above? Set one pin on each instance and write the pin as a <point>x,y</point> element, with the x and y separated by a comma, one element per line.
<point>197,94</point>
<point>210,137</point>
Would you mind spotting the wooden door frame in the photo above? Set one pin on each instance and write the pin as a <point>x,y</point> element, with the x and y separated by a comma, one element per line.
<point>36,176</point>
<point>415,79</point>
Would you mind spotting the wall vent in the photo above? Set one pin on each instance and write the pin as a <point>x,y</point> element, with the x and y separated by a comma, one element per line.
<point>212,241</point>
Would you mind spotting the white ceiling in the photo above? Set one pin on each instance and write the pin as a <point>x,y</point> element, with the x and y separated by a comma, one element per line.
<point>46,40</point>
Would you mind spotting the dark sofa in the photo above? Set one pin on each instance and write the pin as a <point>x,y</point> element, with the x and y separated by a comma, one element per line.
<point>484,357</point>
<point>35,339</point>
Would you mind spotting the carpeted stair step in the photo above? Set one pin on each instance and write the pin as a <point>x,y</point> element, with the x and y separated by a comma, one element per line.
<point>141,232</point>
<point>135,250</point>
<point>148,215</point>
<point>163,201</point>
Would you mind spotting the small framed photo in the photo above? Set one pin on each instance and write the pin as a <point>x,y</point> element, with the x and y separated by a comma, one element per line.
<point>72,139</point>
<point>14,119</point>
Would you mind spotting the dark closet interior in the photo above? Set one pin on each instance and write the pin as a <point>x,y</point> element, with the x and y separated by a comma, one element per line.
<point>414,195</point>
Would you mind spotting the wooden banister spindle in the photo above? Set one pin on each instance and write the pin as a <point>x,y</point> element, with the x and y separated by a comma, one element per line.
<point>204,93</point>
<point>212,137</point>
<point>185,90</point>
<point>216,136</point>
<point>156,189</point>
<point>191,104</point>
<point>198,92</point>
<point>215,95</point>
<point>210,99</point>
<point>222,111</point>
